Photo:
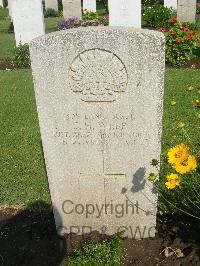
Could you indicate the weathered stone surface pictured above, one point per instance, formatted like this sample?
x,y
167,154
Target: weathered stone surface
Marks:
x,y
28,20
51,4
125,13
72,8
99,97
171,3
89,5
186,10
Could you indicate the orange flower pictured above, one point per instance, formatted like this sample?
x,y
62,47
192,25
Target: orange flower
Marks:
x,y
189,37
179,40
174,19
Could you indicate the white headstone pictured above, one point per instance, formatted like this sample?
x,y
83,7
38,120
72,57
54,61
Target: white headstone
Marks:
x,y
1,3
186,10
51,4
171,3
99,95
71,8
89,5
28,20
9,9
125,13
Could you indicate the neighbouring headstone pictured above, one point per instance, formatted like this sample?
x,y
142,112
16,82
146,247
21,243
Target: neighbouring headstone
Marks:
x,y
186,10
71,8
171,3
51,4
89,5
125,13
28,20
1,3
99,95
9,9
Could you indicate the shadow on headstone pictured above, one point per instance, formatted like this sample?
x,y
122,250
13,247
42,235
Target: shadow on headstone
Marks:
x,y
29,237
138,180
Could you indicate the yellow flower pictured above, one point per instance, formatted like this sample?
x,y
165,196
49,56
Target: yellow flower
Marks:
x,y
178,154
173,180
186,166
196,103
190,88
181,124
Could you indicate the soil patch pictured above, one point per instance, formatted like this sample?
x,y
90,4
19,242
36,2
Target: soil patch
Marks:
x,y
193,63
6,65
28,237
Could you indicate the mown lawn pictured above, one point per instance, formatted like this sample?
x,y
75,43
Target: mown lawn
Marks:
x,y
23,178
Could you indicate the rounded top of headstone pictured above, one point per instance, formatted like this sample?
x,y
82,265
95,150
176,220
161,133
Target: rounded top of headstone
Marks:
x,y
52,38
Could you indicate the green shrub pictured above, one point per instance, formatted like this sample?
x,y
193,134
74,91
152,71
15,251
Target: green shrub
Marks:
x,y
5,3
198,10
88,19
151,2
181,42
60,6
50,12
22,56
157,15
91,16
106,253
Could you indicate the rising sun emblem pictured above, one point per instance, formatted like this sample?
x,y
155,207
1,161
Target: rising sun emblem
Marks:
x,y
98,76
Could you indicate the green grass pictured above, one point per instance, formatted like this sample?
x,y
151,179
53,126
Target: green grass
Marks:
x,y
176,82
99,254
3,13
51,24
23,178
101,9
7,45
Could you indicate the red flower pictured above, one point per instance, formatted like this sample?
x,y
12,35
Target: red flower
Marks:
x,y
178,40
191,32
162,29
184,28
174,19
189,37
